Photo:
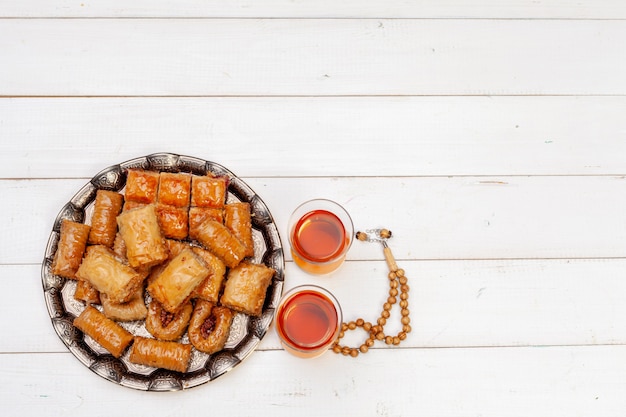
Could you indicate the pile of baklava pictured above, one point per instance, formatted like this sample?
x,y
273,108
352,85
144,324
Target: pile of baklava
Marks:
x,y
169,251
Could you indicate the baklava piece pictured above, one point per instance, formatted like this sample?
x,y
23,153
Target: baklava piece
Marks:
x,y
160,354
133,309
210,326
109,274
70,249
208,191
103,330
145,245
174,221
86,293
218,239
107,205
174,189
175,284
246,288
209,289
167,326
197,215
238,219
142,186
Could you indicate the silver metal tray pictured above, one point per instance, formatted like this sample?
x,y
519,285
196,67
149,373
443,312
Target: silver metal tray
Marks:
x,y
246,332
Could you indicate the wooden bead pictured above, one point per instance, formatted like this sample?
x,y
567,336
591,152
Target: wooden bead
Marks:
x,y
398,289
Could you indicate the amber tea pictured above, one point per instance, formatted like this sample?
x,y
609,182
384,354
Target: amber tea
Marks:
x,y
320,235
308,321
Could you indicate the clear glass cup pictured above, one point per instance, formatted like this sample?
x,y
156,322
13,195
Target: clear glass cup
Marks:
x,y
320,234
308,320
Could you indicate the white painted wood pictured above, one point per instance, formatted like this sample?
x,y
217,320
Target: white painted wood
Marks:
x,y
170,57
368,136
558,381
600,9
489,136
453,303
432,217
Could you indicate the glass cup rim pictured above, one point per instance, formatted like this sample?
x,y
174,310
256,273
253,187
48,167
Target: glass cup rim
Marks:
x,y
314,288
349,227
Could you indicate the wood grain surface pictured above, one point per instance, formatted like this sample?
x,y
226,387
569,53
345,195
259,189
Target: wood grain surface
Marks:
x,y
488,136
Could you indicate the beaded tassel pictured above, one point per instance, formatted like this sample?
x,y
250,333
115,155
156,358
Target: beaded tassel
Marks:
x,y
398,287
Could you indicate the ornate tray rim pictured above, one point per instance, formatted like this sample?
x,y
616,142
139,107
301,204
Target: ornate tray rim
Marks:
x,y
116,370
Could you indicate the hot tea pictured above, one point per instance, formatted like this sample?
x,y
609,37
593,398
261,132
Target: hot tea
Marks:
x,y
308,320
320,234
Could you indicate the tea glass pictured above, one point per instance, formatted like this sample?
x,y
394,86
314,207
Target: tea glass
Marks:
x,y
308,320
320,234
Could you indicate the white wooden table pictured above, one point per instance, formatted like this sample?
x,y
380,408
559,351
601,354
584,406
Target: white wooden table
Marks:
x,y
489,137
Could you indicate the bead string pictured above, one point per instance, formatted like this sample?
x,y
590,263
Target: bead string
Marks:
x,y
398,287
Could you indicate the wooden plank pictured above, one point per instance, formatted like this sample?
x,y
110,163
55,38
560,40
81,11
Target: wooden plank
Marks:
x,y
128,57
560,381
497,303
431,217
369,136
601,9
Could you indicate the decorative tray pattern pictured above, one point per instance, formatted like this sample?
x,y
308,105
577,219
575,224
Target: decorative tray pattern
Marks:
x,y
246,332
